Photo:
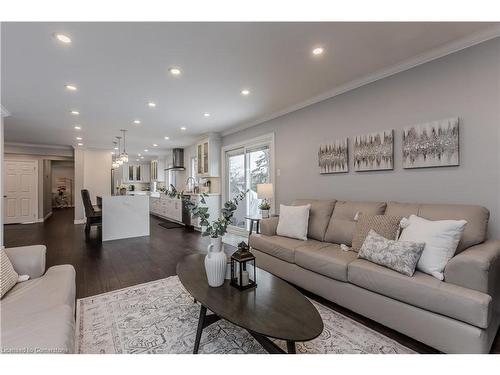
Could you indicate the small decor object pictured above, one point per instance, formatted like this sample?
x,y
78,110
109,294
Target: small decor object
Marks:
x,y
241,277
374,152
435,144
122,190
293,221
400,256
441,238
265,192
215,263
333,157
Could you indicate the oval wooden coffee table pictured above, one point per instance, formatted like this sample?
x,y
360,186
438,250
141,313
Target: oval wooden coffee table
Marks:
x,y
274,309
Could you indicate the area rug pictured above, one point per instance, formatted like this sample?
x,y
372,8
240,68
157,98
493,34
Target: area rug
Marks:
x,y
161,317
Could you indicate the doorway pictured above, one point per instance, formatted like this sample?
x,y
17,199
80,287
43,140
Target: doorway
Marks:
x,y
246,165
21,191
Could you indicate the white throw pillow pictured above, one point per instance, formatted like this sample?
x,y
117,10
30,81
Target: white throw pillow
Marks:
x,y
293,221
441,238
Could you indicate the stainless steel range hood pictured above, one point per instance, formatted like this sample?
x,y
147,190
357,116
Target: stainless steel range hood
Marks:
x,y
177,160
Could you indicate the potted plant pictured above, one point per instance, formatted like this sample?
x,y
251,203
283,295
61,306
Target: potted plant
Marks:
x,y
264,208
122,189
215,261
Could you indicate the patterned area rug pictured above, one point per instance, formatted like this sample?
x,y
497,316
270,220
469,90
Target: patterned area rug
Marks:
x,y
160,317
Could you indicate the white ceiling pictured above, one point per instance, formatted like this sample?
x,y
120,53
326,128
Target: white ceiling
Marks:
x,y
119,67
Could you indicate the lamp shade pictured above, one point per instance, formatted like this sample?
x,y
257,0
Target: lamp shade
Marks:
x,y
264,191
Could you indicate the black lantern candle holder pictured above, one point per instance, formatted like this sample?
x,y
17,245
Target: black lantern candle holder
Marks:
x,y
241,277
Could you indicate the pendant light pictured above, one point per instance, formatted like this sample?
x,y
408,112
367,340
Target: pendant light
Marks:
x,y
118,157
114,164
124,155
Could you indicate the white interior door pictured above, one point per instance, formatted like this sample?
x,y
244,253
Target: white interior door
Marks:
x,y
20,189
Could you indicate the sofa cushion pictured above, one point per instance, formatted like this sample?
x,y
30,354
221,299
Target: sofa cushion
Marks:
x,y
319,216
329,261
341,225
283,247
280,247
55,288
423,291
476,216
48,331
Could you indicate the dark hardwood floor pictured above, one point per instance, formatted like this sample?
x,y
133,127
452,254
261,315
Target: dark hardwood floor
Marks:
x,y
106,266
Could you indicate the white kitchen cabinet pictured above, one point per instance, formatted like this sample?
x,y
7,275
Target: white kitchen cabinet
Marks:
x,y
157,170
168,208
135,172
208,156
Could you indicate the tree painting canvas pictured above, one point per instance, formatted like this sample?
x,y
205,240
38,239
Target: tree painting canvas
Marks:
x,y
374,152
434,144
333,157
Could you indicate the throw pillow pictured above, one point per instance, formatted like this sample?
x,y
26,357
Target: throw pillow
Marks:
x,y
293,221
8,275
385,225
400,256
441,239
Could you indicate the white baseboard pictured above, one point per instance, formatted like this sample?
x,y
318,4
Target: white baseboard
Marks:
x,y
47,216
80,221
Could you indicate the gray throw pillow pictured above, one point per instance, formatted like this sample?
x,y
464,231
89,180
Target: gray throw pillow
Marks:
x,y
400,256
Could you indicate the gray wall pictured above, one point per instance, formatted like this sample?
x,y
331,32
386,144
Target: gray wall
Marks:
x,y
465,84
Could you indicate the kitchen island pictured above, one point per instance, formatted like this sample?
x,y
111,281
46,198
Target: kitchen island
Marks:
x,y
125,216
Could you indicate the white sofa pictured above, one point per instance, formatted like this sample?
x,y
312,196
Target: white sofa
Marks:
x,y
38,315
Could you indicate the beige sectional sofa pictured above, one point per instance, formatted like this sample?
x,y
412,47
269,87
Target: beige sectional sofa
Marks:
x,y
38,315
458,315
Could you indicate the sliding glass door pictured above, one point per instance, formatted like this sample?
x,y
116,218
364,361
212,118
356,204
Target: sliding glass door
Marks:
x,y
245,167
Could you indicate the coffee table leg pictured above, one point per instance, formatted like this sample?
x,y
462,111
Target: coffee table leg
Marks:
x,y
201,324
290,346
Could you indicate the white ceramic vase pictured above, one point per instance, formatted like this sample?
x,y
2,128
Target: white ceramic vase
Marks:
x,y
215,262
265,214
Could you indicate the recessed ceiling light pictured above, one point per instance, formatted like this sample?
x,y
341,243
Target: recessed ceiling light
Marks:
x,y
206,114
318,51
112,152
146,150
76,113
183,128
116,148
63,38
137,122
80,144
175,71
155,145
152,104
136,159
70,87
78,138
245,92
142,157
78,127
166,138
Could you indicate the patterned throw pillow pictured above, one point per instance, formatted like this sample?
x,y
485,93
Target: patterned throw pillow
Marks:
x,y
385,225
8,276
400,256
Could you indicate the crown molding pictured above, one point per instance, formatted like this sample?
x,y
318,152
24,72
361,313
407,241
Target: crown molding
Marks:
x,y
38,145
4,111
436,53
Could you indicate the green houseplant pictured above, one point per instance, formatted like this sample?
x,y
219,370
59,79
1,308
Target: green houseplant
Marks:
x,y
215,261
